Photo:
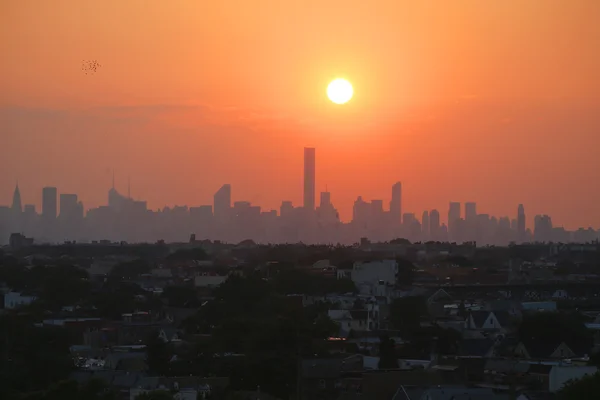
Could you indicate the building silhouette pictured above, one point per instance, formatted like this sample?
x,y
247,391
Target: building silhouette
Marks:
x,y
396,204
129,220
49,203
309,178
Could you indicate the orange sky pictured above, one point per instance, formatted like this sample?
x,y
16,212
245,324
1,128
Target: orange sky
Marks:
x,y
491,101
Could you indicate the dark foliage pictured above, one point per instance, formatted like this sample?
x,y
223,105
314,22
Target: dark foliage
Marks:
x,y
128,270
406,272
406,312
193,254
586,388
31,358
555,328
388,359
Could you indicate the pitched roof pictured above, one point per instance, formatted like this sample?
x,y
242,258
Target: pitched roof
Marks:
x,y
479,317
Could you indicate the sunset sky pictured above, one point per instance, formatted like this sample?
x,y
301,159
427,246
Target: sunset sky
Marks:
x,y
496,102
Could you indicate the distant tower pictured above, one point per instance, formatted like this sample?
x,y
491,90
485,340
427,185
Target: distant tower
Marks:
x,y
309,178
222,202
521,224
453,214
425,225
49,203
470,212
16,202
434,225
396,204
325,199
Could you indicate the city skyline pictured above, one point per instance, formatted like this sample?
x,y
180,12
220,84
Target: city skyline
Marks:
x,y
63,218
464,209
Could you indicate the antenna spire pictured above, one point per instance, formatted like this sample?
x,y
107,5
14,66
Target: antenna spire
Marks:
x,y
128,187
113,180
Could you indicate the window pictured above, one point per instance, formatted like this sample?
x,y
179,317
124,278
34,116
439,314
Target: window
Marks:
x,y
322,384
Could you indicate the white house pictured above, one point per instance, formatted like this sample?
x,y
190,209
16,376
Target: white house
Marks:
x,y
375,272
13,300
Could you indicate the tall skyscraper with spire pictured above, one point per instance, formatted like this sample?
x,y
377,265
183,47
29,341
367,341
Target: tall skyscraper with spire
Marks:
x,y
17,207
309,178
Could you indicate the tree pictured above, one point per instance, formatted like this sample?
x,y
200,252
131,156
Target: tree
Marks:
x,y
128,270
555,328
193,254
60,286
406,272
116,299
388,359
157,355
406,312
31,358
586,388
181,296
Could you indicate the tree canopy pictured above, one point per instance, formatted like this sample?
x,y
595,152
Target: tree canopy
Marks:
x,y
586,388
555,328
32,358
406,312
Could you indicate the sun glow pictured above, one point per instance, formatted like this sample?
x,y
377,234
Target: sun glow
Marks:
x,y
340,91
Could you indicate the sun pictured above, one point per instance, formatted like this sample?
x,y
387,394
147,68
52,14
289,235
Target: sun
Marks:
x,y
340,91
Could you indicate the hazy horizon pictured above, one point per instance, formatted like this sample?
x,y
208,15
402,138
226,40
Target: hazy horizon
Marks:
x,y
496,103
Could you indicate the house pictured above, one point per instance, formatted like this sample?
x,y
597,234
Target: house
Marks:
x,y
322,377
487,320
350,320
375,272
14,300
544,349
385,385
512,307
169,334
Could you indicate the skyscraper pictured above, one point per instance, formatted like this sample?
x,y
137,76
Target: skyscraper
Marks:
x,y
49,203
470,212
325,199
309,178
434,225
69,207
521,224
425,225
222,202
453,218
17,207
396,204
